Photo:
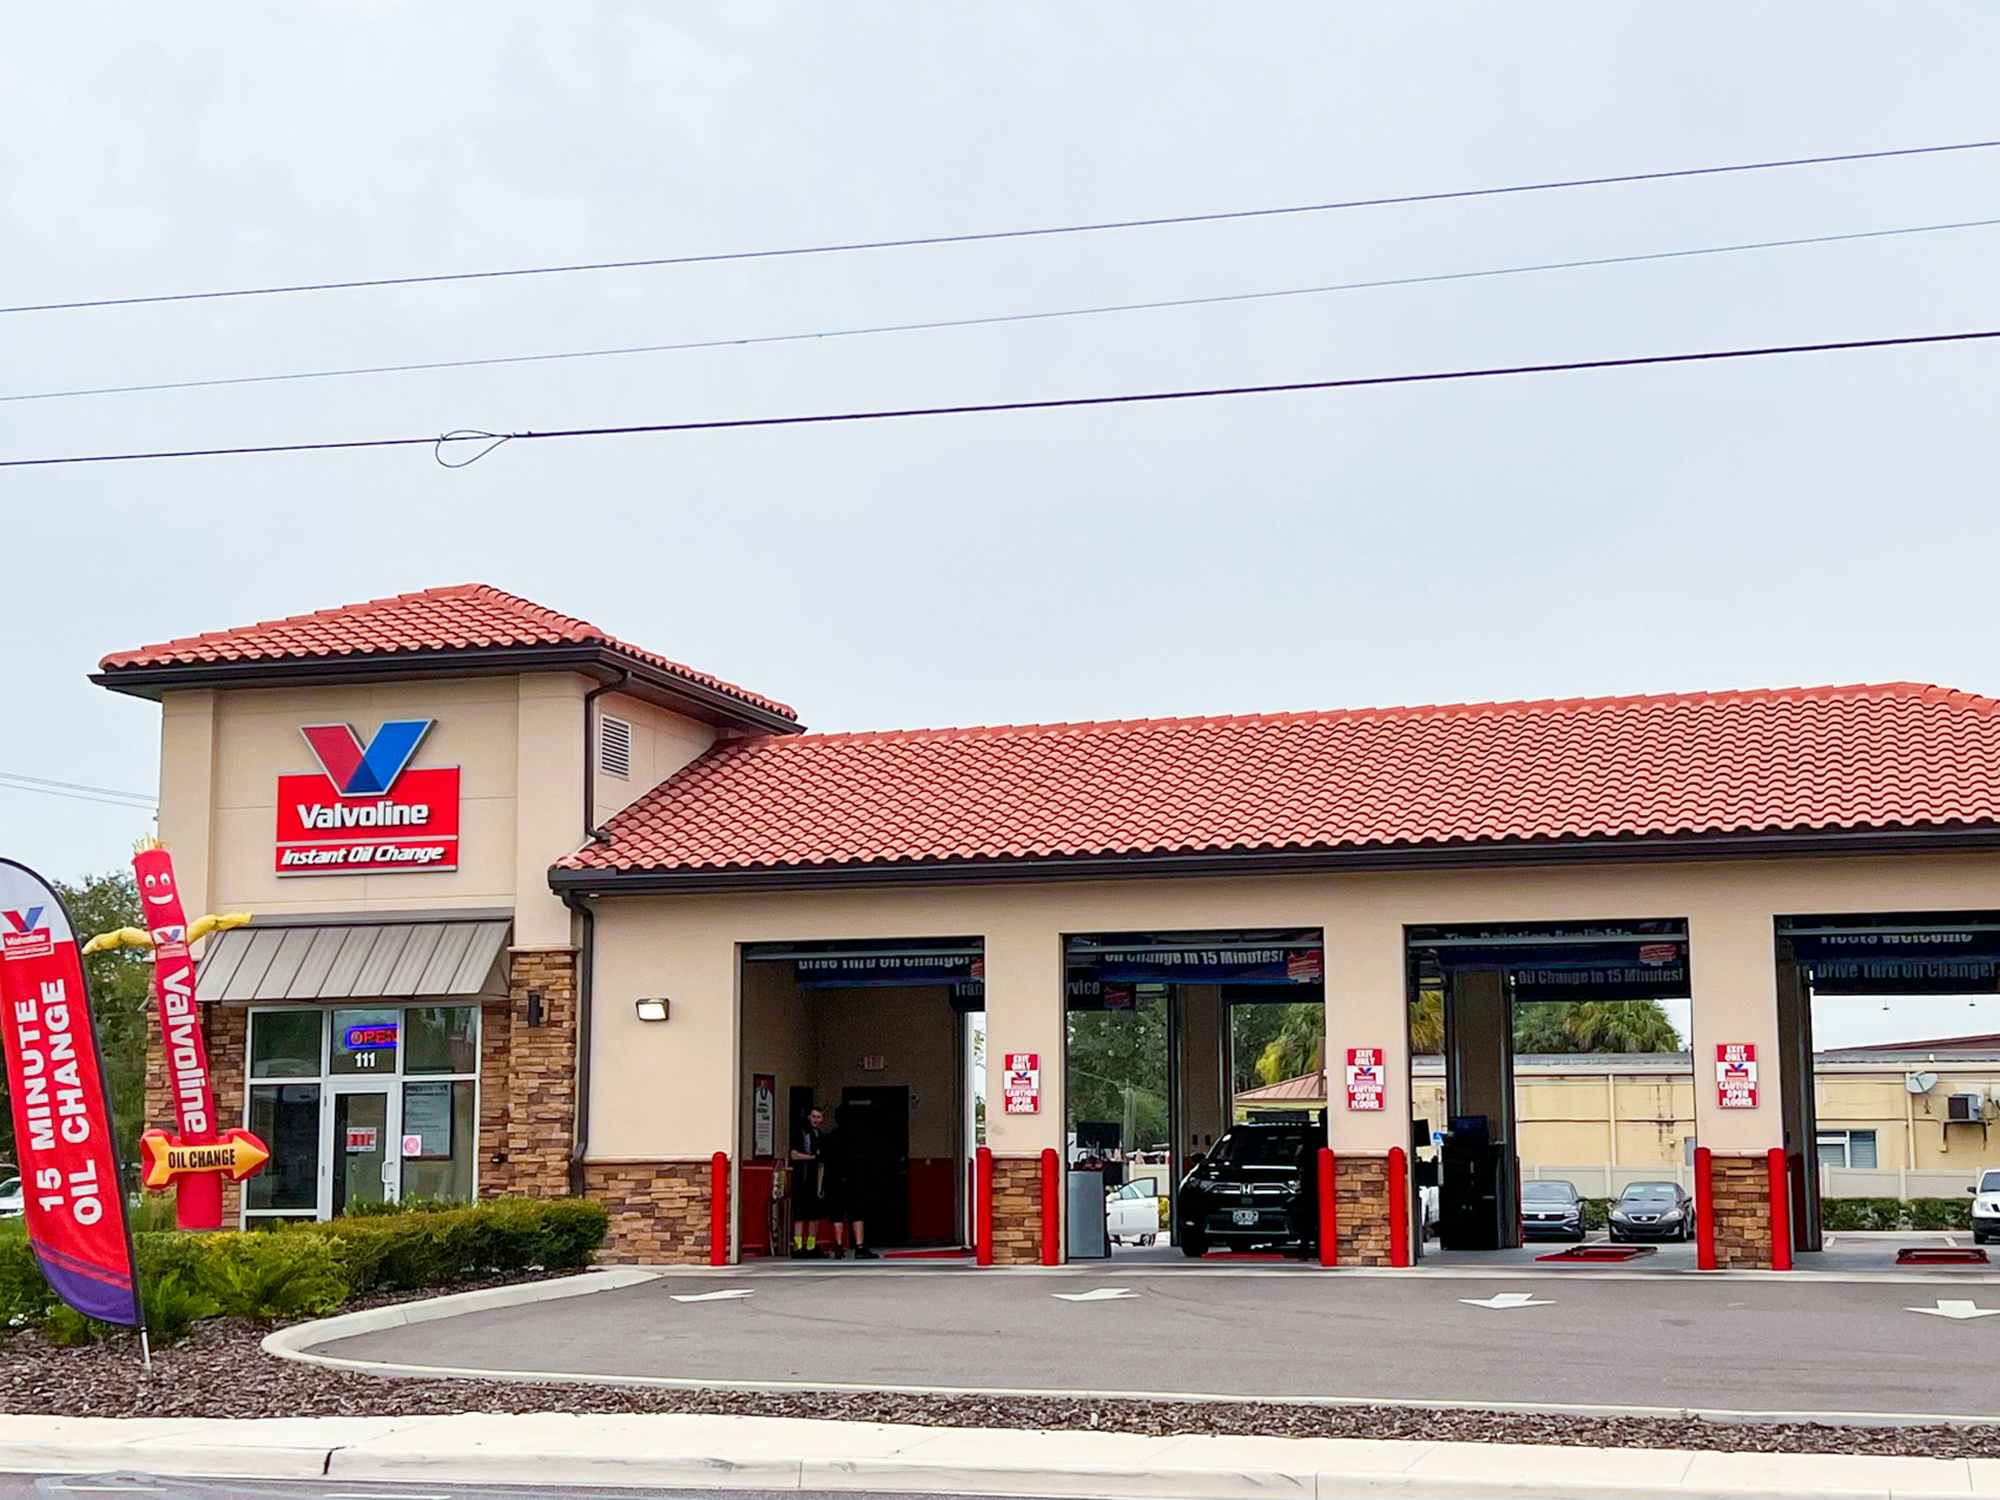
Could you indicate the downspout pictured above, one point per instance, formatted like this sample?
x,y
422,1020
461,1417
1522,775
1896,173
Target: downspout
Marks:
x,y
587,935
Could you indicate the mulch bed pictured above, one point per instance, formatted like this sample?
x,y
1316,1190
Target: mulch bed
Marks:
x,y
220,1368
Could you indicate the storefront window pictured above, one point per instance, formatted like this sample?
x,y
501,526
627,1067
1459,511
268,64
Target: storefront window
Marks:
x,y
285,1043
441,1039
387,1100
366,1041
440,1133
286,1118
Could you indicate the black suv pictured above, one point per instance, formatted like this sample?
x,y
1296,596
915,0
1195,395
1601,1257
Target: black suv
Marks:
x,y
1257,1188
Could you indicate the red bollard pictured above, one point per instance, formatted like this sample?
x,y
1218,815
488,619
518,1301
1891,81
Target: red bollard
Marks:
x,y
982,1199
1704,1209
1051,1207
1781,1211
718,1209
1399,1206
1329,1218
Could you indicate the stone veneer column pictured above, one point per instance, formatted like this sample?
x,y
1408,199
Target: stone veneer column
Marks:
x,y
659,1211
1017,1210
1741,1197
1361,1210
541,1072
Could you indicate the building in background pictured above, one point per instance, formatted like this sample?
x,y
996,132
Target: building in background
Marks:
x,y
1908,1120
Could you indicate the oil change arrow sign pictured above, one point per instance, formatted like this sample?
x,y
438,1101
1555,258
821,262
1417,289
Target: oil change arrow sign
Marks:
x,y
728,1294
1957,1311
1507,1299
1099,1294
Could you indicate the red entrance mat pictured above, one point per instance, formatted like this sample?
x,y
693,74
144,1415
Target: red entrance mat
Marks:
x,y
1941,1255
1597,1255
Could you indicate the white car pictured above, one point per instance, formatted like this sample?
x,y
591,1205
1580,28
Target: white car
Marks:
x,y
13,1201
1986,1207
1132,1213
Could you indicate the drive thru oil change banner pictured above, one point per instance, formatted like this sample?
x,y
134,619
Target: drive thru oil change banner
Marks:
x,y
62,1116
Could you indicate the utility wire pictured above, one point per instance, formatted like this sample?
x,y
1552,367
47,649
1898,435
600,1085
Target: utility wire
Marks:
x,y
991,320
1039,232
720,424
14,781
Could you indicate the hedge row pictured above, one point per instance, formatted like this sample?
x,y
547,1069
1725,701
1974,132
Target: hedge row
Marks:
x,y
308,1270
1895,1213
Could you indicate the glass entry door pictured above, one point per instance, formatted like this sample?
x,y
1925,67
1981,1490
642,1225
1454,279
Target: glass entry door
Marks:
x,y
365,1164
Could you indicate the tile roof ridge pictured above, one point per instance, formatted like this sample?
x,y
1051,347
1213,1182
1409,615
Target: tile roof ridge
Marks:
x,y
1900,690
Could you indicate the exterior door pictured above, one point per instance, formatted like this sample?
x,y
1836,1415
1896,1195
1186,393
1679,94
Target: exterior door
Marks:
x,y
363,1164
880,1118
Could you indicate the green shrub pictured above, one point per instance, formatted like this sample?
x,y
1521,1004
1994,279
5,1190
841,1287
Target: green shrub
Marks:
x,y
265,1277
173,1304
448,1247
1940,1213
1855,1214
25,1297
1596,1212
68,1328
307,1270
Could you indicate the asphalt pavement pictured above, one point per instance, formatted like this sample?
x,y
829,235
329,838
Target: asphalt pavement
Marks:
x,y
1565,1340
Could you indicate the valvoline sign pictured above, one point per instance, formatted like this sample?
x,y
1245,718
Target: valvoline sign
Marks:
x,y
365,811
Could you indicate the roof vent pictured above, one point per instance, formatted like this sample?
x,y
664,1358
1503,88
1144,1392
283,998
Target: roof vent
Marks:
x,y
614,747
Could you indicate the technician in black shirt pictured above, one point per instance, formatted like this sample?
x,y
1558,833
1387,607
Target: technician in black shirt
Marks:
x,y
808,1204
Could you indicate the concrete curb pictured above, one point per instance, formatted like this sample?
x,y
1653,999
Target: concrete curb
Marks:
x,y
294,1342
707,1452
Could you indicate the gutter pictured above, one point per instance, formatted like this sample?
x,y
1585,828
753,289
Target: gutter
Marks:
x,y
1519,853
586,950
587,935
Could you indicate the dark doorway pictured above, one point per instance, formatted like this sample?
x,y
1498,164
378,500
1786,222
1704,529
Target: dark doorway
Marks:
x,y
879,1116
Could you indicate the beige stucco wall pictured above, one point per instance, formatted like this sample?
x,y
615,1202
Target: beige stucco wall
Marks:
x,y
684,947
662,742
518,743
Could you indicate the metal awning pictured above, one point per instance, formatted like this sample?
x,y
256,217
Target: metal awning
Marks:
x,y
371,960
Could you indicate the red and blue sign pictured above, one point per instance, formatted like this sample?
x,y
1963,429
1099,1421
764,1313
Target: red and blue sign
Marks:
x,y
366,811
72,1202
380,1037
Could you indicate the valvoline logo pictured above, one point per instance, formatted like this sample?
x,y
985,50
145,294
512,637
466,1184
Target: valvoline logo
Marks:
x,y
358,770
26,937
367,809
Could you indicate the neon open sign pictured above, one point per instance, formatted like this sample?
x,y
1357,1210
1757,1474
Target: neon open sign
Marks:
x,y
379,1037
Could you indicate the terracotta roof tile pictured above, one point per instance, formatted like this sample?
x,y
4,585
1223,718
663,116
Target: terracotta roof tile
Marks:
x,y
462,617
1888,756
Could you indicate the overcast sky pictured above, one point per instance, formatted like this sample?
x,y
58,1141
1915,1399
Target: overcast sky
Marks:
x,y
1813,520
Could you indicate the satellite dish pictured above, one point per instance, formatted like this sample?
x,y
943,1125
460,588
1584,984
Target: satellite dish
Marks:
x,y
1920,1083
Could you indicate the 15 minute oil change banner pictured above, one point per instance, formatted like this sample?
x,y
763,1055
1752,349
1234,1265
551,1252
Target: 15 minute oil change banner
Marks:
x,y
62,1116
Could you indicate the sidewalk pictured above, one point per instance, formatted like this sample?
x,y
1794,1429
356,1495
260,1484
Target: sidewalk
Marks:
x,y
765,1453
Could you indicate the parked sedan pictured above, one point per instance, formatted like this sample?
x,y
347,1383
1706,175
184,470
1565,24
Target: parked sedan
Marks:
x,y
1256,1188
13,1201
1551,1210
1653,1211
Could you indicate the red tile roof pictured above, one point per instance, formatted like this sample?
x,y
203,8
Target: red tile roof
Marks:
x,y
1895,756
464,616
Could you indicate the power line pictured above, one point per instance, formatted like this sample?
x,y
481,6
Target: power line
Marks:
x,y
983,408
15,781
1043,231
991,320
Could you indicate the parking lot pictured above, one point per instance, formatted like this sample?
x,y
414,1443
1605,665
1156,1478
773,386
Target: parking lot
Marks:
x,y
1551,1339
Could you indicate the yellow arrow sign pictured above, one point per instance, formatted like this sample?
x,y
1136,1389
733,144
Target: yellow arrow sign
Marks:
x,y
238,1154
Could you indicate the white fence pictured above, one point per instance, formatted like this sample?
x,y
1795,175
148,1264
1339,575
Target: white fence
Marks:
x,y
1602,1180
1606,1181
1893,1182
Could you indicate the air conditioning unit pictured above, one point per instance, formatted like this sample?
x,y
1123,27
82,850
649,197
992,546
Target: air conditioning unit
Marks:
x,y
1967,1108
